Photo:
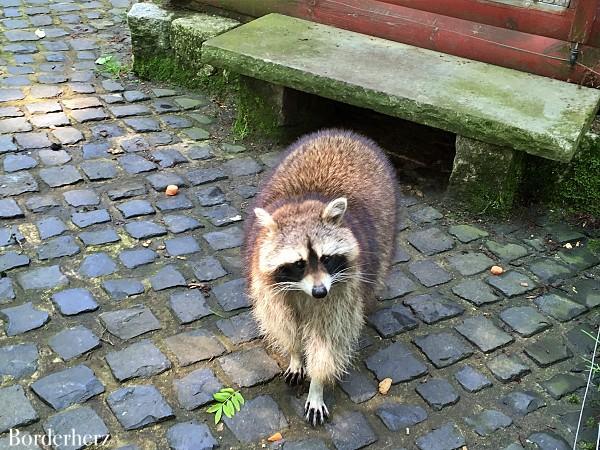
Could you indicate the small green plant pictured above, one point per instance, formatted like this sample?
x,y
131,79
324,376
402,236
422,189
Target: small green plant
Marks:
x,y
594,246
574,399
111,65
583,445
228,402
590,422
240,129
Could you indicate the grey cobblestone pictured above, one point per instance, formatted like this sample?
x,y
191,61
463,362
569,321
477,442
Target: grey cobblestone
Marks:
x,y
250,367
438,393
18,361
68,387
522,403
196,388
193,346
471,379
138,406
73,342
245,427
17,409
23,318
141,359
129,323
484,334
443,349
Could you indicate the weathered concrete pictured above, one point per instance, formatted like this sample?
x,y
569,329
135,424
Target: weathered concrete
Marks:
x,y
150,27
501,106
484,176
187,34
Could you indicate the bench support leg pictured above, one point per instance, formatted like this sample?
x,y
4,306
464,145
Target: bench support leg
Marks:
x,y
485,177
269,109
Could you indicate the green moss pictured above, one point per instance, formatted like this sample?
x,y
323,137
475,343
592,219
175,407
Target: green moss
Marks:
x,y
485,178
255,110
594,246
573,187
166,68
490,200
255,114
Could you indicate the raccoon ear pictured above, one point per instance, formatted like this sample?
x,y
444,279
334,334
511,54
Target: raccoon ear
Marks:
x,y
265,219
335,209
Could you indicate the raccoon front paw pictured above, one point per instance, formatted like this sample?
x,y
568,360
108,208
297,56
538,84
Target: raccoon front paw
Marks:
x,y
316,413
294,376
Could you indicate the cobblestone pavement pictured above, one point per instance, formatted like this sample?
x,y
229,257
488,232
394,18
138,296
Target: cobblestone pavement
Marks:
x,y
122,310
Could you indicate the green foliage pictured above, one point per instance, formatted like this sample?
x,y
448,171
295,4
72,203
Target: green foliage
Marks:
x,y
574,399
590,422
594,245
241,128
111,65
584,445
228,402
574,187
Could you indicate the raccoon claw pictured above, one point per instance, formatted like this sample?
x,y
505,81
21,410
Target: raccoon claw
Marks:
x,y
317,414
294,377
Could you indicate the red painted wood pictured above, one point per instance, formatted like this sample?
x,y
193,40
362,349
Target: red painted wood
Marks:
x,y
583,22
544,23
527,52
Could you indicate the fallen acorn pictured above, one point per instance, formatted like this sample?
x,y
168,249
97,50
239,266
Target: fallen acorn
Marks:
x,y
276,437
385,385
172,190
496,270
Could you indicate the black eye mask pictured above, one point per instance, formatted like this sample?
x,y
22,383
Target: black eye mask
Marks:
x,y
292,272
334,263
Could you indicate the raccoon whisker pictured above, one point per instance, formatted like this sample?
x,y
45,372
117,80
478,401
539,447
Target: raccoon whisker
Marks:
x,y
361,275
355,267
285,286
285,283
348,271
353,277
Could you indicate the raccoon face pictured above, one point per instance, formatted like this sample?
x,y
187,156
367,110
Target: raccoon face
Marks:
x,y
306,247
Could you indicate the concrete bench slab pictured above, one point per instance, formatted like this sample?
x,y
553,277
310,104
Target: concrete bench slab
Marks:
x,y
500,106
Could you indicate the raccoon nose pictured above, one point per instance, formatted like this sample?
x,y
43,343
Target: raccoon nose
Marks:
x,y
319,291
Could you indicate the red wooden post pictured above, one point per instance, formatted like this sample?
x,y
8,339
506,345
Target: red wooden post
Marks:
x,y
585,14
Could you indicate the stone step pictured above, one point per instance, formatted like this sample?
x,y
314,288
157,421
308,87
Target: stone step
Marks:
x,y
488,103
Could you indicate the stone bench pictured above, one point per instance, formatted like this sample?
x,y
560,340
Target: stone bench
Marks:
x,y
496,113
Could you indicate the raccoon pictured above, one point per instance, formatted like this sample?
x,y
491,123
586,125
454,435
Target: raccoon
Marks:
x,y
318,247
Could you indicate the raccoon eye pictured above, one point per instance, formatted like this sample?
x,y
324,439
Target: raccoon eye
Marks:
x,y
300,264
334,263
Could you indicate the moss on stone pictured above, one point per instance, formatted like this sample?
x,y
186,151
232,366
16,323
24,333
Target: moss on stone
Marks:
x,y
150,29
168,68
573,187
256,110
485,177
254,113
189,33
